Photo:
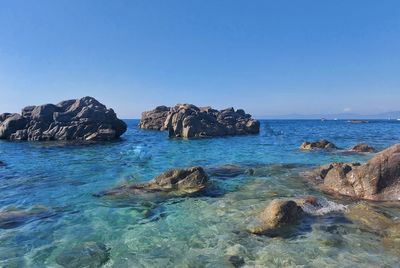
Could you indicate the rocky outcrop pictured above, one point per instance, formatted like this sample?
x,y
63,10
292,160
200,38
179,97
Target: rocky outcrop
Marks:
x,y
378,179
279,213
363,148
322,144
154,119
89,254
177,181
81,119
190,121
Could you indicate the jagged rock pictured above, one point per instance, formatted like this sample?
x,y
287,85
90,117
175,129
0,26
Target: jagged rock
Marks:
x,y
279,213
89,254
81,119
190,121
188,180
322,144
154,119
378,179
363,148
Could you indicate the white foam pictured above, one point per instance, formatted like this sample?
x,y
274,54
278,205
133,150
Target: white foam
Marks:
x,y
323,207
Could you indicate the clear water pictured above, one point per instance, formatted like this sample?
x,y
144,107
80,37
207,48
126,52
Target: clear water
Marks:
x,y
197,231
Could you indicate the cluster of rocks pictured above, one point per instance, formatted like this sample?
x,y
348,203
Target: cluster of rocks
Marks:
x,y
327,145
190,121
378,179
176,181
80,119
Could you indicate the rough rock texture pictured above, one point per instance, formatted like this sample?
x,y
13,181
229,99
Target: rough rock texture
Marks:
x,y
154,119
378,179
322,144
188,180
81,119
89,254
363,148
279,213
190,121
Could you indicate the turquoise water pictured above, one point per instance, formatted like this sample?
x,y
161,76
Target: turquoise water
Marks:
x,y
56,182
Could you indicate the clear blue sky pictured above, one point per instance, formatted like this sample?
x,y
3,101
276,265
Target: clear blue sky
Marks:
x,y
268,57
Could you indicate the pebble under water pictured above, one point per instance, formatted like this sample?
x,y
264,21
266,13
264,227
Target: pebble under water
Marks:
x,y
50,216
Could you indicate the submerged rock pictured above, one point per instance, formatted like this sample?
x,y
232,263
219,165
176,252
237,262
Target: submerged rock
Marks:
x,y
81,119
188,180
227,171
89,255
279,213
322,144
12,218
371,220
378,179
190,121
2,164
363,148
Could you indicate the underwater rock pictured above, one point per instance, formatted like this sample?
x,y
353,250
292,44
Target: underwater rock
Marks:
x,y
378,179
279,213
12,218
89,255
80,119
363,148
227,171
236,261
2,164
189,180
154,119
371,220
322,144
190,121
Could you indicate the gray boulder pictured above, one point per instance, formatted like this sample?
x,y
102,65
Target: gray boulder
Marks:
x,y
81,119
378,179
190,121
176,181
154,119
322,144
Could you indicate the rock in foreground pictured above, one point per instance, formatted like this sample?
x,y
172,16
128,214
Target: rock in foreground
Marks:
x,y
322,144
378,179
190,121
279,213
188,180
81,119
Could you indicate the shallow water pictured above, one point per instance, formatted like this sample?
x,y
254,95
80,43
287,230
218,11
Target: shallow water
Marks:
x,y
202,230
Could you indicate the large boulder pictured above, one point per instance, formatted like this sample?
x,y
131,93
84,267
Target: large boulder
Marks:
x,y
177,181
81,119
279,213
322,144
154,119
190,121
378,179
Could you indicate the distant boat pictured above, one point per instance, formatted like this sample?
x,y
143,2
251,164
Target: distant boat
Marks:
x,y
357,121
398,119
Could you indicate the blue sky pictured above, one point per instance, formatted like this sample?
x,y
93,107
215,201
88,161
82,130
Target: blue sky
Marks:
x,y
268,57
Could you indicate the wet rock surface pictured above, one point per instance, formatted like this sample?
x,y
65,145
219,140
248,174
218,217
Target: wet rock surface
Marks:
x,y
80,119
322,144
89,255
190,121
177,181
279,213
363,148
378,179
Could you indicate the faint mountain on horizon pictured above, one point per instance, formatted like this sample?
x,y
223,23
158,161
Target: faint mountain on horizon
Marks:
x,y
386,115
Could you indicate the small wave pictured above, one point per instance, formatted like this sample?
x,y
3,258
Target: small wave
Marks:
x,y
323,207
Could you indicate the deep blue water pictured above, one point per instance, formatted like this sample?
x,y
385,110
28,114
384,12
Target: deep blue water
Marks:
x,y
198,231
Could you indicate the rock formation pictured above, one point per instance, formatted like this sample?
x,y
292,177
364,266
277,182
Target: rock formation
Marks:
x,y
378,179
322,144
188,180
81,119
190,121
363,148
